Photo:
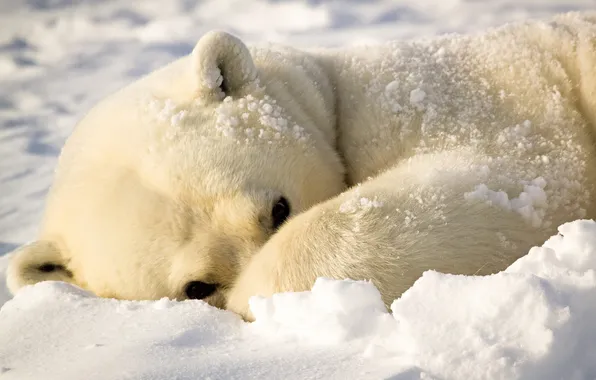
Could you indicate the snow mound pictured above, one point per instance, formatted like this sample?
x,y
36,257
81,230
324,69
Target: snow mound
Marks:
x,y
532,321
332,312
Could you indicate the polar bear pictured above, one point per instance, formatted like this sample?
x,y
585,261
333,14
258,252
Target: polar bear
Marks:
x,y
242,171
167,187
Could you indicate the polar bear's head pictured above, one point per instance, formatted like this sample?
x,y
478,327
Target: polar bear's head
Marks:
x,y
167,187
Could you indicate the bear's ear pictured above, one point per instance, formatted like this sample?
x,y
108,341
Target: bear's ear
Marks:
x,y
222,65
36,262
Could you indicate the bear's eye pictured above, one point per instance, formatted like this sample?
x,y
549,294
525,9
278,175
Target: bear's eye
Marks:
x,y
280,212
197,290
49,267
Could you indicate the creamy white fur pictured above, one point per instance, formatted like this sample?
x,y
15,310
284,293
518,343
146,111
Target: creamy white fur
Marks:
x,y
485,145
153,190
467,150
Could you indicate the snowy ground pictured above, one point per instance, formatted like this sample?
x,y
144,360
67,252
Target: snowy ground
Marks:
x,y
58,57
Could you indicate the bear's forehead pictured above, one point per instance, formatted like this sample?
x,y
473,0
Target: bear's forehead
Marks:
x,y
255,118
252,117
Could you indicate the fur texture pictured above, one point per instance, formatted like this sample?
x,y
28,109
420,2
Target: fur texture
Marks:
x,y
155,189
469,151
460,153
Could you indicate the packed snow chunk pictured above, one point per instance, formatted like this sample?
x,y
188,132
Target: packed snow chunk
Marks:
x,y
497,198
463,327
332,312
532,321
417,96
567,258
530,203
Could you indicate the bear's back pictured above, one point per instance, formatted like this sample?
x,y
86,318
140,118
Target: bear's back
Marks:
x,y
510,94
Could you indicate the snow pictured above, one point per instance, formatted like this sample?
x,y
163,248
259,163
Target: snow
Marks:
x,y
58,57
233,117
417,96
530,203
355,203
532,321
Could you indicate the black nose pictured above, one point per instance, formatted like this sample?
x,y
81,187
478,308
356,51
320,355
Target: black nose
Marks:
x,y
197,290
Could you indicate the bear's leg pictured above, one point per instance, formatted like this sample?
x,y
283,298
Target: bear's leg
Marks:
x,y
416,217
